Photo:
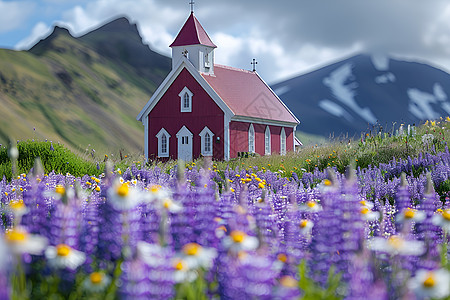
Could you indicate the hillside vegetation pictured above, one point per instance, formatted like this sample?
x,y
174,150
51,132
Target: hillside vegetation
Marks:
x,y
82,92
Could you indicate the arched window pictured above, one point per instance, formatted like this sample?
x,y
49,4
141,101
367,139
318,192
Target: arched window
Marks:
x,y
283,142
186,100
267,146
251,139
207,142
206,136
163,143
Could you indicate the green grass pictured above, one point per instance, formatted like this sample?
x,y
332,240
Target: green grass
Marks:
x,y
372,150
61,160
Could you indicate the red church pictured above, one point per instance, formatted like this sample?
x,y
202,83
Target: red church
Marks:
x,y
205,109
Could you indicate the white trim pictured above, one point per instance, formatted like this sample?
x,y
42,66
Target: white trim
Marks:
x,y
159,137
251,142
262,121
282,141
226,135
182,94
267,141
202,135
145,122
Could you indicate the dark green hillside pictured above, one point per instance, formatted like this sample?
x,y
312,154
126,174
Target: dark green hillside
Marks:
x,y
80,91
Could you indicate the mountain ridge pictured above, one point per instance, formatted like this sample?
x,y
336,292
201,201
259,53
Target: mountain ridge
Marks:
x,y
355,94
80,90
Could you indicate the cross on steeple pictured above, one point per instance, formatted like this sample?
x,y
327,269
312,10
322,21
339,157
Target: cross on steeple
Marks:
x,y
191,3
254,63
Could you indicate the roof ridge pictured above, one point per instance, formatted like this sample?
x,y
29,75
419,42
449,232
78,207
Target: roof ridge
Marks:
x,y
233,68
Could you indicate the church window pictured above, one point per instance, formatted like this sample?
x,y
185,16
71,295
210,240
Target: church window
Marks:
x,y
251,139
163,143
186,100
206,136
267,146
283,142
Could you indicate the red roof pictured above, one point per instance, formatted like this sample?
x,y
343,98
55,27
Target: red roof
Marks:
x,y
192,33
247,95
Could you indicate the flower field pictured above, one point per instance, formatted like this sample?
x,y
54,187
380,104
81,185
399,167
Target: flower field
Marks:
x,y
213,232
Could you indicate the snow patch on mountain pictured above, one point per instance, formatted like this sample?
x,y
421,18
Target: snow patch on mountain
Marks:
x,y
385,78
420,104
346,93
380,62
439,92
282,90
334,109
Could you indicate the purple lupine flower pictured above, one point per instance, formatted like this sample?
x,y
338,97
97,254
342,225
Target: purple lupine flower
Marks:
x,y
159,270
363,284
426,230
251,277
90,229
182,223
135,283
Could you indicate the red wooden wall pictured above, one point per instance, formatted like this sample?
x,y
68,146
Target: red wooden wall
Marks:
x,y
239,138
167,114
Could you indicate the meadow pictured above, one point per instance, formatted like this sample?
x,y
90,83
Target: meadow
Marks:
x,y
350,219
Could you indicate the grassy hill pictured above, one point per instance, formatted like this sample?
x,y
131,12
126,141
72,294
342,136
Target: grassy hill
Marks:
x,y
80,91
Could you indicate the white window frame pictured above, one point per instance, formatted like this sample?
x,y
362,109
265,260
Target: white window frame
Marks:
x,y
185,92
283,141
202,135
251,139
160,135
267,142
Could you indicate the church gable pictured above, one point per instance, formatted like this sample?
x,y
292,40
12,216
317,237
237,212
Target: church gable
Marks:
x,y
169,113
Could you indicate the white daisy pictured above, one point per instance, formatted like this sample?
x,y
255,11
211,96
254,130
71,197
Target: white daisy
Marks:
x,y
442,219
168,204
239,241
123,197
18,208
410,214
396,245
156,193
197,256
305,226
369,215
182,271
63,256
96,282
19,241
310,206
431,284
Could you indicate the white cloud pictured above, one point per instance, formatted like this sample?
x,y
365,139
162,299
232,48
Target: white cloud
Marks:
x,y
437,36
13,14
40,30
287,39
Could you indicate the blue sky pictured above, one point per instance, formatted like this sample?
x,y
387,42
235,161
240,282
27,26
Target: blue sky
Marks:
x,y
287,37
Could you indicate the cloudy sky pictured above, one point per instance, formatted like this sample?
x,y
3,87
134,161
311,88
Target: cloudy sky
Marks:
x,y
287,37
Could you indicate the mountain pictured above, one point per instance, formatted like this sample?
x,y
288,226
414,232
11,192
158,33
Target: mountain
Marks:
x,y
81,91
353,95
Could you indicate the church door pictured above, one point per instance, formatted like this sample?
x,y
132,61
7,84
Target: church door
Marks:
x,y
185,141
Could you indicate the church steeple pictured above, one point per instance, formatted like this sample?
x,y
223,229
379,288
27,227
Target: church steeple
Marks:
x,y
193,42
